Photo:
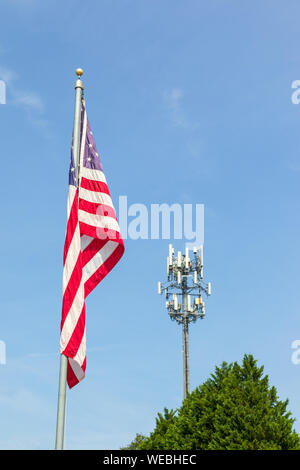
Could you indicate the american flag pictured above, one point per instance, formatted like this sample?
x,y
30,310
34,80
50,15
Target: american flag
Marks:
x,y
93,246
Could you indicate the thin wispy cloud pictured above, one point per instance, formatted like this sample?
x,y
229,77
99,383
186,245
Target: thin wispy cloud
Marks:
x,y
27,99
7,75
173,100
196,144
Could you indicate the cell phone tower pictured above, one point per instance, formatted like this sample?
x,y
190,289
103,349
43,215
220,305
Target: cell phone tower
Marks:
x,y
185,283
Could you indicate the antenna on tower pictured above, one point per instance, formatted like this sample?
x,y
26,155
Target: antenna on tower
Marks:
x,y
185,281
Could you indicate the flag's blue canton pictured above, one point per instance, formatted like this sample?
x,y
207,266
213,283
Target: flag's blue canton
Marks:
x,y
91,158
72,178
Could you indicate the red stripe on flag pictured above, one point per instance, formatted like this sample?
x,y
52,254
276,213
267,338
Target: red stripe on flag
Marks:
x,y
71,225
91,250
71,377
99,232
95,208
77,335
93,185
104,269
71,289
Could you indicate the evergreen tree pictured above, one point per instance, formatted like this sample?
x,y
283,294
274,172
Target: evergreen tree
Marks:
x,y
136,443
156,440
235,409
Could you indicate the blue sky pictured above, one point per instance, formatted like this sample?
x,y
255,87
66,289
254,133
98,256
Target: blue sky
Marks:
x,y
189,102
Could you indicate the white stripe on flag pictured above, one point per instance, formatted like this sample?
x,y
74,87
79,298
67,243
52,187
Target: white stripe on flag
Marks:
x,y
91,267
81,353
72,257
94,175
85,241
93,196
71,195
76,369
101,221
72,317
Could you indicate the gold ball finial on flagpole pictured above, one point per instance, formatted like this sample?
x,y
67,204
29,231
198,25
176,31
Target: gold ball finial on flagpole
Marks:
x,y
79,83
79,72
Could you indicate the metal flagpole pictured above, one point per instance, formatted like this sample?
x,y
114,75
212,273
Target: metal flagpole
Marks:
x,y
61,404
